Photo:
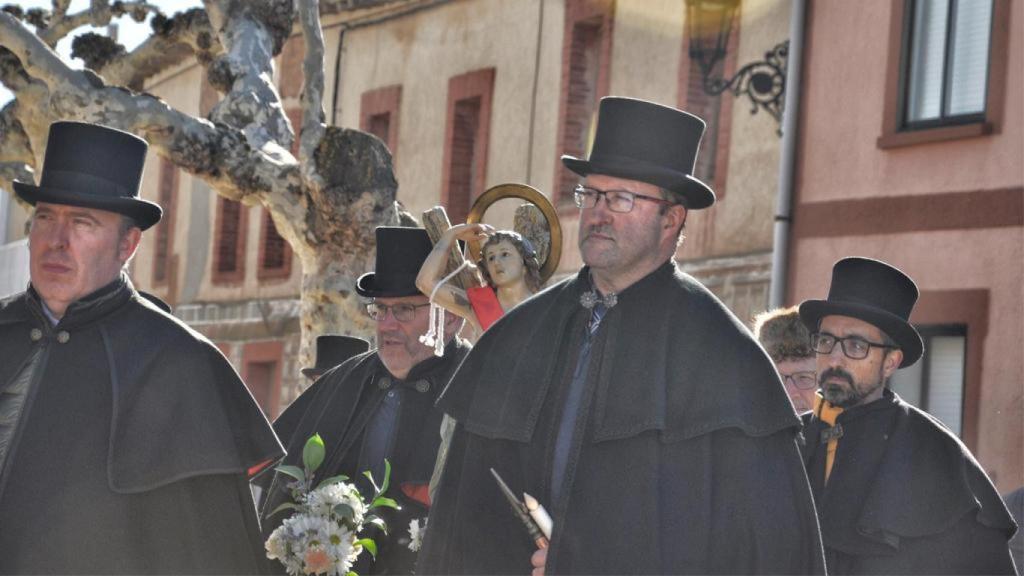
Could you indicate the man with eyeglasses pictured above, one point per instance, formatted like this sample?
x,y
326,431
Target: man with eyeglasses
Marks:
x,y
786,340
627,399
379,405
897,492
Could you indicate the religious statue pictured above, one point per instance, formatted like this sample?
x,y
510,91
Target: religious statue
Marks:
x,y
508,266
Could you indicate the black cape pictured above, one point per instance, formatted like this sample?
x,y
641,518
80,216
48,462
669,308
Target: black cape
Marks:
x,y
338,406
905,496
132,451
685,458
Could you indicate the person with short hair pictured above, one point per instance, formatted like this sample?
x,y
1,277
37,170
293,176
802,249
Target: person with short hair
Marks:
x,y
379,405
786,339
626,399
896,491
126,438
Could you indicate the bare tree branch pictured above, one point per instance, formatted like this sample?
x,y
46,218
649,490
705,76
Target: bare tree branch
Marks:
x,y
251,36
99,13
173,41
220,155
312,89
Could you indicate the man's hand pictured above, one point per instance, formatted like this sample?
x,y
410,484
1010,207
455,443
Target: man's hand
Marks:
x,y
539,559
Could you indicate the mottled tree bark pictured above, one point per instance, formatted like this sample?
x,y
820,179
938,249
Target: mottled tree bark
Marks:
x,y
325,203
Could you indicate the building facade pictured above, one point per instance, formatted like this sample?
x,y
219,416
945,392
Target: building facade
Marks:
x,y
467,94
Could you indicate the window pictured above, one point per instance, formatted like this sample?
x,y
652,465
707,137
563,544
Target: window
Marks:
x,y
167,197
585,58
946,76
947,61
935,383
466,138
378,115
275,255
229,248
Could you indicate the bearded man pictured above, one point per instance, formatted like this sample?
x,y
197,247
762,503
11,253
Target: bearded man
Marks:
x,y
379,405
126,438
627,399
897,492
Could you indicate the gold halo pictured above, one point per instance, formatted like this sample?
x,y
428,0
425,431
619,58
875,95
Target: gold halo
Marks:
x,y
533,196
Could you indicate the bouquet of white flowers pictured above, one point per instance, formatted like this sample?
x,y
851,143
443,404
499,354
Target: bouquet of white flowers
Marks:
x,y
322,534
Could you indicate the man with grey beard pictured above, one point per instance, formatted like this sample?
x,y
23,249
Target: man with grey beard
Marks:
x,y
896,491
626,399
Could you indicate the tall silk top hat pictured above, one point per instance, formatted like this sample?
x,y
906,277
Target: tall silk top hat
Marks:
x,y
648,142
93,167
400,254
875,292
333,349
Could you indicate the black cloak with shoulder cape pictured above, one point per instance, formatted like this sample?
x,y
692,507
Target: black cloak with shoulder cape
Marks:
x,y
128,442
905,496
684,458
339,406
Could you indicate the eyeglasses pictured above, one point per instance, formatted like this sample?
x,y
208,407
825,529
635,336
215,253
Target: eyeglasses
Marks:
x,y
616,200
401,312
804,380
854,347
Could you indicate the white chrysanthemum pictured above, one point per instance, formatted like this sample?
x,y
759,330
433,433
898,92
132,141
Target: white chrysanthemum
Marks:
x,y
323,500
416,531
277,543
341,546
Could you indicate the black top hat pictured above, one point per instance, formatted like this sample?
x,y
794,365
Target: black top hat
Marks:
x,y
95,167
333,349
875,292
400,254
648,142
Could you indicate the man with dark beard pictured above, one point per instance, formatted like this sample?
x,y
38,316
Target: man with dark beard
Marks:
x,y
896,491
627,399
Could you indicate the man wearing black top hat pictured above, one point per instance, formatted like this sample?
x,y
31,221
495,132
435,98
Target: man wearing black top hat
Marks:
x,y
126,439
627,399
380,404
897,492
332,350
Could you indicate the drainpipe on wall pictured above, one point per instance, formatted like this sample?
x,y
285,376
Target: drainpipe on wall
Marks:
x,y
787,159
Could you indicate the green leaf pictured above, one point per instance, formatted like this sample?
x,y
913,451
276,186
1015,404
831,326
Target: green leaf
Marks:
x,y
332,480
345,511
369,545
378,522
369,476
387,478
313,453
283,507
383,502
293,471
350,573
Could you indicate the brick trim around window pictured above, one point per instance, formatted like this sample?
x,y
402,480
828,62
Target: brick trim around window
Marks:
x,y
473,90
163,247
893,135
382,106
693,99
577,108
971,309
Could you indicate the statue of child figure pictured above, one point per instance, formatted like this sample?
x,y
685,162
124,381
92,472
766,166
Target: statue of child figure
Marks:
x,y
508,264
